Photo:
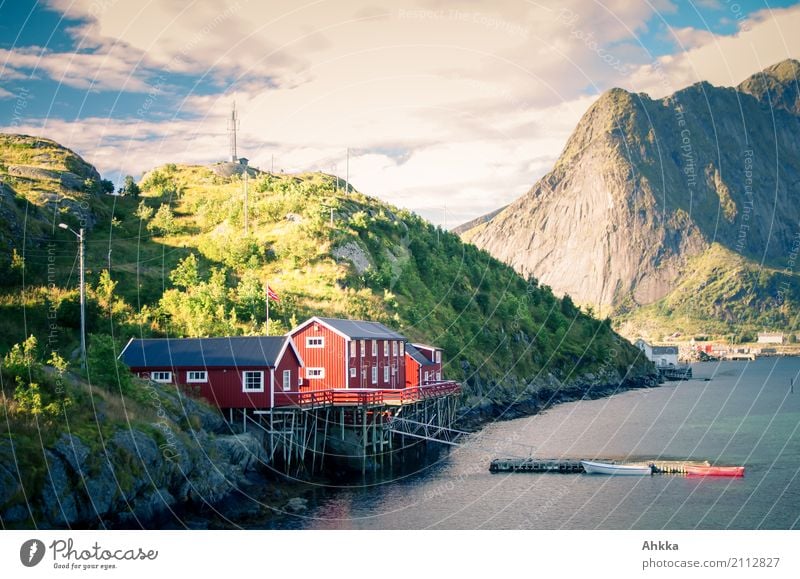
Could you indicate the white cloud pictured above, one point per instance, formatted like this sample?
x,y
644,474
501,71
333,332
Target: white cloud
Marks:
x,y
4,94
767,37
464,104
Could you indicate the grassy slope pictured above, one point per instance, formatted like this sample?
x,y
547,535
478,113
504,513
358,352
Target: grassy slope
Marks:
x,y
721,294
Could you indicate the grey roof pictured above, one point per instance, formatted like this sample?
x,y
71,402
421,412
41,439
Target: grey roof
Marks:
x,y
203,352
361,330
665,350
418,356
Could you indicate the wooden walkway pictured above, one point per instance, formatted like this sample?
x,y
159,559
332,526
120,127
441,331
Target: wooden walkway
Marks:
x,y
573,465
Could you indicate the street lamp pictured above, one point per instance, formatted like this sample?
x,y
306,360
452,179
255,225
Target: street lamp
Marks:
x,y
79,235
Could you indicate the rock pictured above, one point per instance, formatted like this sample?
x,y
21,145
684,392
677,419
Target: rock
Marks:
x,y
244,450
294,218
60,495
296,505
353,252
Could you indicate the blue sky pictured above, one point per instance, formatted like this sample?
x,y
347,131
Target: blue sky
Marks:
x,y
466,103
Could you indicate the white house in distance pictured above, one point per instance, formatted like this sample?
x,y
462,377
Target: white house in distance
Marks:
x,y
659,355
770,338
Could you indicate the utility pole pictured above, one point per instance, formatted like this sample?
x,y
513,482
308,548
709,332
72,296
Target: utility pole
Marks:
x,y
79,235
245,202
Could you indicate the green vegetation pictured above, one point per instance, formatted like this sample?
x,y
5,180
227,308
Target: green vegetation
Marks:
x,y
724,295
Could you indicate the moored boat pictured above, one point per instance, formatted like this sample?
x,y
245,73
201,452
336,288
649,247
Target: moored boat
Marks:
x,y
615,469
715,470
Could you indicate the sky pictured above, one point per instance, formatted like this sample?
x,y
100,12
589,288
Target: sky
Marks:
x,y
450,109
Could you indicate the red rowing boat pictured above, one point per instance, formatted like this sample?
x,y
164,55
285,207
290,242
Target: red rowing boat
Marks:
x,y
715,470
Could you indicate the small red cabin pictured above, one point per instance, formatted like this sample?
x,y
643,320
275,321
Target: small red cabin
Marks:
x,y
423,365
350,354
257,372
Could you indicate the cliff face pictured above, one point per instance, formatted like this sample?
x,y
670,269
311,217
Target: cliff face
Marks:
x,y
644,185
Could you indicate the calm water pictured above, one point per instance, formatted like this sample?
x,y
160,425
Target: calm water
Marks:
x,y
745,414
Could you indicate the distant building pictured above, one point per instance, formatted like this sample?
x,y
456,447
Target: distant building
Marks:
x,y
659,355
771,338
423,365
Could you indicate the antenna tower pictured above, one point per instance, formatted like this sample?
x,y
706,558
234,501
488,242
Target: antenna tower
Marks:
x,y
233,125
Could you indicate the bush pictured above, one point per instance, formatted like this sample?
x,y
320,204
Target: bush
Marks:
x,y
103,367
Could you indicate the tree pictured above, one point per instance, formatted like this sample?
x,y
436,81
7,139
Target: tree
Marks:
x,y
163,221
104,369
129,187
186,274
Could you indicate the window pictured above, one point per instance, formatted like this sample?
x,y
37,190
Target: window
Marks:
x,y
353,349
287,380
165,377
394,348
374,347
438,356
252,381
386,348
426,376
374,374
197,376
386,373
315,373
438,376
315,342
353,372
363,348
402,348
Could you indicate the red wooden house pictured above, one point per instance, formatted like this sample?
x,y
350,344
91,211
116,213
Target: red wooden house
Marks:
x,y
350,354
256,372
423,365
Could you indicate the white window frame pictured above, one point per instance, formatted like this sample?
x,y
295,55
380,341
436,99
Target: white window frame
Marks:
x,y
252,373
426,377
315,341
163,377
374,374
374,347
315,373
394,347
363,348
438,376
353,372
203,378
353,348
386,348
386,373
438,356
402,348
287,380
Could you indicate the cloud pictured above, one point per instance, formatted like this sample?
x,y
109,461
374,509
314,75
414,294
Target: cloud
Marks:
x,y
4,94
765,38
465,103
113,70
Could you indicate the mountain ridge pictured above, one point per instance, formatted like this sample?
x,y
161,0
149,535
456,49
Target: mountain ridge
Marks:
x,y
643,185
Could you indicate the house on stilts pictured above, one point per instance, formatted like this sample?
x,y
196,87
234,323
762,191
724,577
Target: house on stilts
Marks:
x,y
326,380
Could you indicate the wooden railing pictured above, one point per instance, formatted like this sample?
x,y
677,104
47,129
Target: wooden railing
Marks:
x,y
366,396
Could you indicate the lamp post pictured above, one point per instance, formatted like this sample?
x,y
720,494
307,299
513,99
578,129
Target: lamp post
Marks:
x,y
79,235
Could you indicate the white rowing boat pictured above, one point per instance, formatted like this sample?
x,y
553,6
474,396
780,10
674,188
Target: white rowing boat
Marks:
x,y
615,469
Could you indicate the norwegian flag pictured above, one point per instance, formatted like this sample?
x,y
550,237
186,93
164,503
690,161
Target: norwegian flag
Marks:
x,y
272,295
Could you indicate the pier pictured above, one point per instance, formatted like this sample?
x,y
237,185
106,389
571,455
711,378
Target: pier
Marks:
x,y
675,372
573,465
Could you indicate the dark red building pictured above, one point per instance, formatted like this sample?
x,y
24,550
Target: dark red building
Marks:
x,y
350,354
256,372
423,365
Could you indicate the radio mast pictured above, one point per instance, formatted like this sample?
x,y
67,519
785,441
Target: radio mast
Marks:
x,y
233,125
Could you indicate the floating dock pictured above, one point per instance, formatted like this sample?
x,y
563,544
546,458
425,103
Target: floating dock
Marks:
x,y
675,372
573,465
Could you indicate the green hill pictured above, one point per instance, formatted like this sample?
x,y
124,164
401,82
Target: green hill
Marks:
x,y
175,260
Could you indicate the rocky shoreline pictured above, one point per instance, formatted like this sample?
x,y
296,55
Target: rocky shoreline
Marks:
x,y
211,475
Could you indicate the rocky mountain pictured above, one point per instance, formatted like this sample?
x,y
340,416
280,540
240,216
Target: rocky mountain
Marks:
x,y
645,185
